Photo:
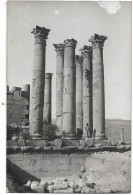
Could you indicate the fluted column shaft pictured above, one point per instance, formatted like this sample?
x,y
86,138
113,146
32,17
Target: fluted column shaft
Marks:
x,y
69,89
47,98
98,86
79,95
59,48
87,91
37,91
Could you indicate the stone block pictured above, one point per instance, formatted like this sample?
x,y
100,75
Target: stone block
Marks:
x,y
38,189
64,191
102,142
50,188
12,143
82,143
21,142
36,143
89,142
34,184
25,93
10,94
70,142
57,143
16,89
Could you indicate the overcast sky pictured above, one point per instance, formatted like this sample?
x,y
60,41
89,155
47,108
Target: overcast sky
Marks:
x,y
78,20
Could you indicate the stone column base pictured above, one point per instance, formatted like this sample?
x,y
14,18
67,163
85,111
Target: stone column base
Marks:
x,y
101,136
71,136
36,136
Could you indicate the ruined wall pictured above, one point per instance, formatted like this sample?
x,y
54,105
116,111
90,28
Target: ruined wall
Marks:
x,y
45,164
18,101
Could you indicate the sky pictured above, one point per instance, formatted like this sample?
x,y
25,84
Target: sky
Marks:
x,y
78,20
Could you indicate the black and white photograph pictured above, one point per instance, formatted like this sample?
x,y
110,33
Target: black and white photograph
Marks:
x,y
68,97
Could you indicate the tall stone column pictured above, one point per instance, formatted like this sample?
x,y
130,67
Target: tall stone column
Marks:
x,y
87,90
69,89
59,48
47,98
98,86
79,94
37,91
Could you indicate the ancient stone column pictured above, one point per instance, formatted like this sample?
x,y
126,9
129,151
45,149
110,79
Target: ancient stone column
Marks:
x,y
98,86
26,87
38,78
87,91
69,89
79,95
47,98
59,48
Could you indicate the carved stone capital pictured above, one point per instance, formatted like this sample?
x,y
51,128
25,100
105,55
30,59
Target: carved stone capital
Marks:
x,y
79,60
59,48
97,41
40,34
48,75
86,51
70,43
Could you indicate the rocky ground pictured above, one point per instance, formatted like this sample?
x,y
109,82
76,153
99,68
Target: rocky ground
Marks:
x,y
111,173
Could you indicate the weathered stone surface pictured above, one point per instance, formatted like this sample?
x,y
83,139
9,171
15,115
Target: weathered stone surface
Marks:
x,y
21,142
82,143
44,184
38,189
25,93
64,191
79,95
57,143
37,92
47,98
12,143
89,141
29,183
50,188
59,186
59,48
70,142
26,87
103,142
69,112
98,86
34,184
87,88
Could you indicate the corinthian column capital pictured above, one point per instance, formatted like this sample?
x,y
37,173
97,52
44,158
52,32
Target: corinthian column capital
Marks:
x,y
97,40
79,60
40,34
70,43
59,48
86,51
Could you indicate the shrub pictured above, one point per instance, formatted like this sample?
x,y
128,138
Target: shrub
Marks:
x,y
49,131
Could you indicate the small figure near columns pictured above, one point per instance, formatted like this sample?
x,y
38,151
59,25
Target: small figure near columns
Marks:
x,y
59,48
69,89
79,94
98,86
38,78
47,98
87,91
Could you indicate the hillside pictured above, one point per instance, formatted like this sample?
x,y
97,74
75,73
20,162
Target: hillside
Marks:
x,y
113,129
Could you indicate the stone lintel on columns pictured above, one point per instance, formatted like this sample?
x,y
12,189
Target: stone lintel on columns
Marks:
x,y
59,48
40,34
97,40
70,43
79,60
48,75
86,51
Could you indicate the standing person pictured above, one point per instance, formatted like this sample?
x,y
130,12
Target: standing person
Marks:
x,y
88,129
